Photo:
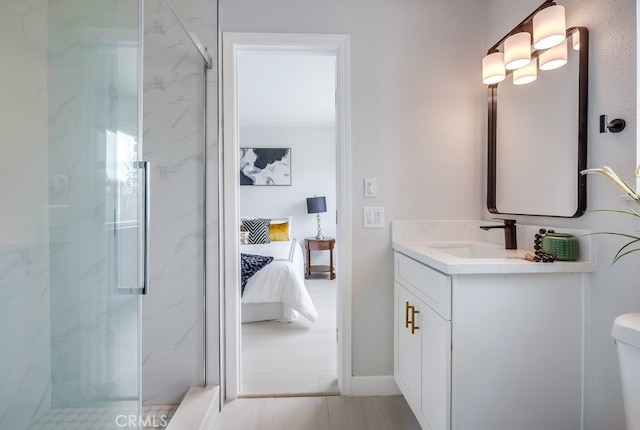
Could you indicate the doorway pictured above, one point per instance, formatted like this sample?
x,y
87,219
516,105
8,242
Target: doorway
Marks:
x,y
286,108
235,45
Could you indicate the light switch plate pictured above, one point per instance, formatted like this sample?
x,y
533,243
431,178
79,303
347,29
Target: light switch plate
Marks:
x,y
373,217
370,187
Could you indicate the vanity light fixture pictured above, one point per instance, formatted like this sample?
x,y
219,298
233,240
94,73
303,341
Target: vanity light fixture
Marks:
x,y
526,74
547,27
493,70
517,50
554,58
576,41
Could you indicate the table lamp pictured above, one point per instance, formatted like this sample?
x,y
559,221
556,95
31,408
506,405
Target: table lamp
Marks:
x,y
317,205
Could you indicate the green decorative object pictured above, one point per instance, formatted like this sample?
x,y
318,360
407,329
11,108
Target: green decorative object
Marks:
x,y
563,246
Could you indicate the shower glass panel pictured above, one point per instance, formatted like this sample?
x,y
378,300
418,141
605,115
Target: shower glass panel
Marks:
x,y
72,222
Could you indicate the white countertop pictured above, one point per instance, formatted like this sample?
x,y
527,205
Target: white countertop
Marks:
x,y
450,264
419,240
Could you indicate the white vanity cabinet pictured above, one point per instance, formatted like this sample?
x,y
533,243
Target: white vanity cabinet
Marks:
x,y
489,351
423,340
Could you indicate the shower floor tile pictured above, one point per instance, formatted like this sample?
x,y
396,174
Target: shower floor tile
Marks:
x,y
153,417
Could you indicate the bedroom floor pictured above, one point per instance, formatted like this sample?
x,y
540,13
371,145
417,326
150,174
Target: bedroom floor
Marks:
x,y
293,358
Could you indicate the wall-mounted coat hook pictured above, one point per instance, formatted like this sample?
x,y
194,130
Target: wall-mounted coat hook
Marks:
x,y
615,126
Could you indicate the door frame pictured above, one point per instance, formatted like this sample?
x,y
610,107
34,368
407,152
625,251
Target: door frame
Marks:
x,y
230,328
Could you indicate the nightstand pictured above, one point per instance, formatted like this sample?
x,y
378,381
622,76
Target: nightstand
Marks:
x,y
313,244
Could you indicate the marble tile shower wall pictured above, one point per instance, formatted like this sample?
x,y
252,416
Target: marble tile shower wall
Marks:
x,y
25,369
24,332
173,318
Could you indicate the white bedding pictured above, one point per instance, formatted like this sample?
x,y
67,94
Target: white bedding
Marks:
x,y
282,280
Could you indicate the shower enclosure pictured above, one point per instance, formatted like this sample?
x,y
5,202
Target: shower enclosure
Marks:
x,y
73,213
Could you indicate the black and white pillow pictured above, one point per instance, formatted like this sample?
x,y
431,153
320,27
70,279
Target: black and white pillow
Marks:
x,y
258,229
250,264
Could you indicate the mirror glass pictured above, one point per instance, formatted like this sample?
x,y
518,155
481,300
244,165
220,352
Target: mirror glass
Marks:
x,y
537,140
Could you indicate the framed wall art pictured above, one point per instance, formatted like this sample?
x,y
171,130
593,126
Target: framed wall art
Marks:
x,y
265,166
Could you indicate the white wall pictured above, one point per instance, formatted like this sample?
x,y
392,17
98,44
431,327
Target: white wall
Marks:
x,y
614,290
417,126
313,173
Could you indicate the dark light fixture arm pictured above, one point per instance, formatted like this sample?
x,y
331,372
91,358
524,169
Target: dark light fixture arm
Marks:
x,y
525,25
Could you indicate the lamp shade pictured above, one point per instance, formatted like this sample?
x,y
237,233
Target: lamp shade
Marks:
x,y
517,50
549,27
554,58
316,205
493,68
526,74
576,41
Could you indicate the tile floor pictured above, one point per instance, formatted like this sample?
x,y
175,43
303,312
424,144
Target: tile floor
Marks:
x,y
317,413
153,417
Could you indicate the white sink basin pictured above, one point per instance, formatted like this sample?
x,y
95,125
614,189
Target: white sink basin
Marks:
x,y
461,247
474,250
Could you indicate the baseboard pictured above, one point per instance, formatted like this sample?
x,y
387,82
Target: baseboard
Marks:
x,y
374,386
197,410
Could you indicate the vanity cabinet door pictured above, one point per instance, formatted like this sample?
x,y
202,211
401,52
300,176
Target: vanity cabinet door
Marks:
x,y
408,346
436,369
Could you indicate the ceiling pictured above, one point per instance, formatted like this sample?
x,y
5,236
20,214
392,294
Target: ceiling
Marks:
x,y
286,89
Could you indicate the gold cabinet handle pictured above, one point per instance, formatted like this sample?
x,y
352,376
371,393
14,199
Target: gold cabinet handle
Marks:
x,y
414,327
407,321
410,319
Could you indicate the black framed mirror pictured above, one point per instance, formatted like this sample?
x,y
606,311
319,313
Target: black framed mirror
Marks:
x,y
537,139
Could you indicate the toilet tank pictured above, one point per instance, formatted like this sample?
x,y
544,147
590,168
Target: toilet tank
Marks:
x,y
626,332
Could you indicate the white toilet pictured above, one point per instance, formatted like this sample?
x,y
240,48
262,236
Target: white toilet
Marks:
x,y
626,332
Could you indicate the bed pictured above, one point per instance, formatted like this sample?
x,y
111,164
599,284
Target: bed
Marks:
x,y
276,291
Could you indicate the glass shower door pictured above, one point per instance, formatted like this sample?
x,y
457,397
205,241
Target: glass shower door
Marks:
x,y
97,243
73,219
25,363
97,209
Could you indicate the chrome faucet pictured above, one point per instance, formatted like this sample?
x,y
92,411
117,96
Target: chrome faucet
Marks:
x,y
509,226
